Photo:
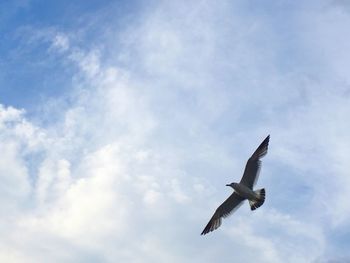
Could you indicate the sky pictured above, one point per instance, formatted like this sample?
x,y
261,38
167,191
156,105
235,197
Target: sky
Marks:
x,y
121,122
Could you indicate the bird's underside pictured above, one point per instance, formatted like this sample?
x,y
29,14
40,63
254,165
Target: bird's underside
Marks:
x,y
243,190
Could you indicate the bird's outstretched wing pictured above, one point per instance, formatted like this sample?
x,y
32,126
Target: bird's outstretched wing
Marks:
x,y
252,168
224,210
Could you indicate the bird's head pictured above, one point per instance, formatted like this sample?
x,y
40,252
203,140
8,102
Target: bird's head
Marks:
x,y
232,185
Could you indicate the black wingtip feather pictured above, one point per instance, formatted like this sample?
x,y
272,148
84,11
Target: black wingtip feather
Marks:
x,y
262,149
207,228
211,226
265,142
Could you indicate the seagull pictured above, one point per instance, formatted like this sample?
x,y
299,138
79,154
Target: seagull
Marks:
x,y
242,190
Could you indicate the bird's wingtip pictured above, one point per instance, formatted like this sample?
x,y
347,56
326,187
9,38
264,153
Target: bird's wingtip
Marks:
x,y
267,139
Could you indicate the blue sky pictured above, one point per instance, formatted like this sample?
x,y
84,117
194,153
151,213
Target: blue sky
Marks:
x,y
25,63
122,121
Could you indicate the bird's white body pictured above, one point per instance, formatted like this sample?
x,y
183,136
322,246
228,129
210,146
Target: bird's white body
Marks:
x,y
245,191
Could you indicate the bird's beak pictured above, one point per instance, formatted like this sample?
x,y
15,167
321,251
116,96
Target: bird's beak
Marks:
x,y
228,185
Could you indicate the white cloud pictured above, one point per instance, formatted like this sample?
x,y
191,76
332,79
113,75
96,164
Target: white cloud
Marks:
x,y
60,42
136,164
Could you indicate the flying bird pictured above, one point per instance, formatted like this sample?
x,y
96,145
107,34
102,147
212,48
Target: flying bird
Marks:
x,y
242,190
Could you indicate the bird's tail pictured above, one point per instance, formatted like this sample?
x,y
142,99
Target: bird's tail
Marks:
x,y
254,204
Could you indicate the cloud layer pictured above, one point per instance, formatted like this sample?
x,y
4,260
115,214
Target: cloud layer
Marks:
x,y
161,116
